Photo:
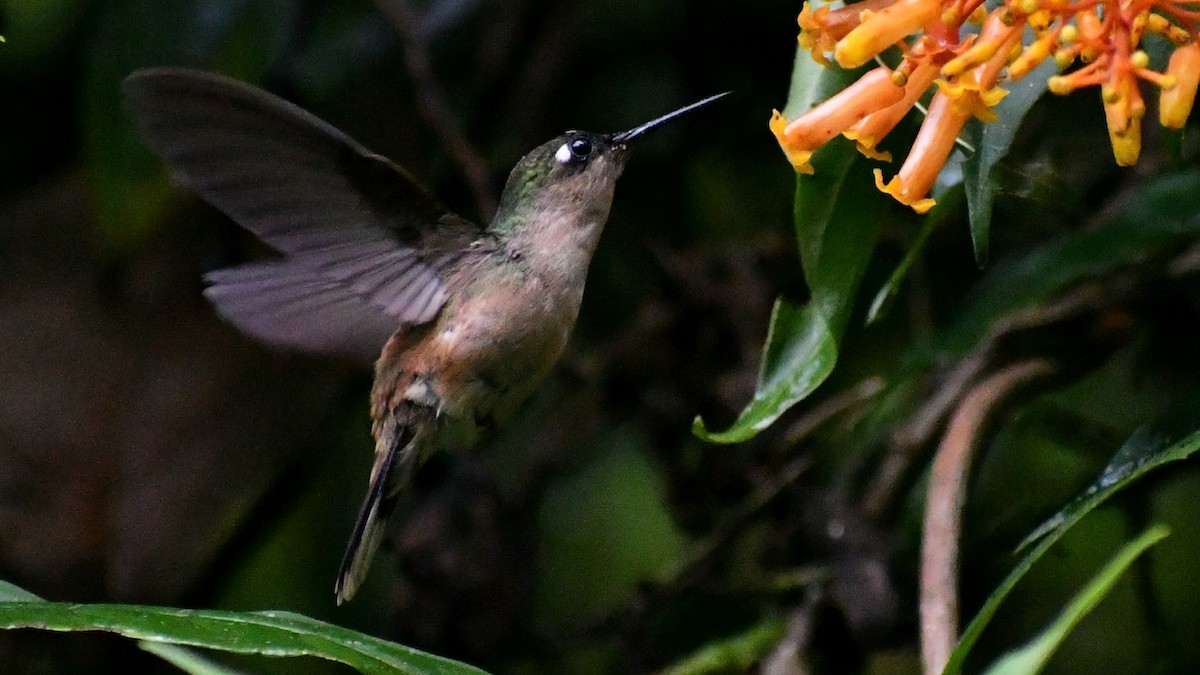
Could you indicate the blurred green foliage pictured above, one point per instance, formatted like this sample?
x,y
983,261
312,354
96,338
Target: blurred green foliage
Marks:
x,y
596,534
611,519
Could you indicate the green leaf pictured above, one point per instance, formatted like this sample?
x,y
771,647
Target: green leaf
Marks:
x,y
1162,216
266,633
800,353
838,215
12,593
837,212
187,660
882,302
992,141
735,654
1141,453
1032,657
812,83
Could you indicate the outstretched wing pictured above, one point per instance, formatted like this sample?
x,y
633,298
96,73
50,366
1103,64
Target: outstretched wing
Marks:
x,y
365,246
288,305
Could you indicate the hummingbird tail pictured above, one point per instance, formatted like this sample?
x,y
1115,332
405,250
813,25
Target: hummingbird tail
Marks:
x,y
403,452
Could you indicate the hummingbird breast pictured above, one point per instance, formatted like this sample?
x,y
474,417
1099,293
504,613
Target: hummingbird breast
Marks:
x,y
504,326
505,332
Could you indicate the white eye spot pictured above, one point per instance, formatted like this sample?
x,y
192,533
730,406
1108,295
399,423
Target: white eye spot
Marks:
x,y
563,155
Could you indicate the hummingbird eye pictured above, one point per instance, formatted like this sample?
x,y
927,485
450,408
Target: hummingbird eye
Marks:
x,y
576,151
581,148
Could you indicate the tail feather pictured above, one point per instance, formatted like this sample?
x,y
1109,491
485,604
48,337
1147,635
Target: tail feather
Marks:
x,y
393,470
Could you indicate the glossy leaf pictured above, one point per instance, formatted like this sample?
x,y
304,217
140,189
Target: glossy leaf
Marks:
x,y
734,654
837,213
883,299
992,141
12,593
812,83
1140,454
1032,657
188,660
1163,215
799,355
266,633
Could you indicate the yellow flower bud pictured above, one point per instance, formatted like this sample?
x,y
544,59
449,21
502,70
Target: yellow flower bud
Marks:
x,y
1123,110
1175,103
881,29
1128,145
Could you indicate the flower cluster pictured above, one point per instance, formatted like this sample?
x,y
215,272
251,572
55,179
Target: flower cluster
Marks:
x,y
965,68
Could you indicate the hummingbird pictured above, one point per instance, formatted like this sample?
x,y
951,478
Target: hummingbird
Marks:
x,y
460,322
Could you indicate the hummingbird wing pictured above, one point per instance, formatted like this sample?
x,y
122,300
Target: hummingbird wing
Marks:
x,y
274,301
365,246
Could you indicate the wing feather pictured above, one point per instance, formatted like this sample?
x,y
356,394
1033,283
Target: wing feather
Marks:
x,y
287,305
365,242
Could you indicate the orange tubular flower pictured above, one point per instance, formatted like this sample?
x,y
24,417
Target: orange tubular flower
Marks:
x,y
871,129
1175,102
1105,35
929,152
810,131
1159,24
880,30
820,29
838,22
995,39
1091,34
975,91
1033,55
973,94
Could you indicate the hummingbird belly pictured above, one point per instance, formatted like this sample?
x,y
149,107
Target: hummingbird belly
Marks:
x,y
492,344
500,344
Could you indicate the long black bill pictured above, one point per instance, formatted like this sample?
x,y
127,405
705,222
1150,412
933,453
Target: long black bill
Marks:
x,y
626,136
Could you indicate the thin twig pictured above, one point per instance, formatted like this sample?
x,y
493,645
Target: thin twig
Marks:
x,y
690,570
836,404
790,656
944,507
766,493
433,104
725,531
908,440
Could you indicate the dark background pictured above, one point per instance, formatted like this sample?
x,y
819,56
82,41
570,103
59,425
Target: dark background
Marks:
x,y
149,453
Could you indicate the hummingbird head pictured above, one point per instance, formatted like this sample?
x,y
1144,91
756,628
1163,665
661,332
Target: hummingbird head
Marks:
x,y
572,174
566,184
